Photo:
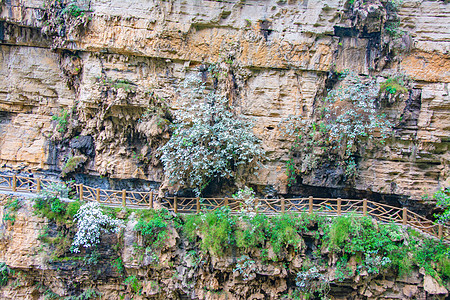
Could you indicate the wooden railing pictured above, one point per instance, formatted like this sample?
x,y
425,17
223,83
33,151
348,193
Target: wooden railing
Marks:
x,y
325,206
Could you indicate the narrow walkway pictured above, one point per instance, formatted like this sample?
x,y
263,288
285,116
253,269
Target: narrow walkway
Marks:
x,y
26,186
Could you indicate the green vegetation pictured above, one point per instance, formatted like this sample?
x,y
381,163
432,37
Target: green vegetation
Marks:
x,y
442,198
347,120
62,120
48,204
73,10
134,284
216,229
221,230
11,207
85,295
380,246
4,274
153,226
72,164
209,140
394,85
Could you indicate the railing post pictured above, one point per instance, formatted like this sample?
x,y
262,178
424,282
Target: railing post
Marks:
x,y
440,231
226,201
151,199
14,183
38,184
405,215
339,202
175,208
310,206
198,204
283,209
81,191
124,198
98,195
365,207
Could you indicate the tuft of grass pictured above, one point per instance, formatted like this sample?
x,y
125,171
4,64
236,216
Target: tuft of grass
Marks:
x,y
72,164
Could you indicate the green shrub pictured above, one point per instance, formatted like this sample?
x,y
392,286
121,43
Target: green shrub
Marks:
x,y
62,120
253,234
134,284
216,229
442,198
4,274
11,207
284,232
152,225
48,204
72,208
72,164
394,85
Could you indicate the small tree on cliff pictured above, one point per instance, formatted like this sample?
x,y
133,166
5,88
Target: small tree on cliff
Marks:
x,y
209,140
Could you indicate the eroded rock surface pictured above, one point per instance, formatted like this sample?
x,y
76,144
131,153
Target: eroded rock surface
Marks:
x,y
107,66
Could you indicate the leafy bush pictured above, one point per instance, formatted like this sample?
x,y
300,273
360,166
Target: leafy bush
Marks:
x,y
11,207
245,266
347,119
62,120
209,141
252,232
48,204
312,281
216,229
152,225
72,164
284,232
394,85
134,284
4,273
442,198
91,224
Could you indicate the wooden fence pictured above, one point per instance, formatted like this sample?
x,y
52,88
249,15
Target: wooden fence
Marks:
x,y
325,206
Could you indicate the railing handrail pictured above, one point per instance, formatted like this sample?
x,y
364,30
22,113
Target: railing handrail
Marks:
x,y
327,206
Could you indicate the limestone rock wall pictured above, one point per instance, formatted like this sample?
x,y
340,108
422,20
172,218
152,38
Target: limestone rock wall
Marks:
x,y
182,271
275,59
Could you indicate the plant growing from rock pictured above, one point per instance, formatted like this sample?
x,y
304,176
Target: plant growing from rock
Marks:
x,y
48,203
62,120
311,281
442,198
62,20
246,267
4,273
347,120
249,206
91,224
209,140
72,164
11,207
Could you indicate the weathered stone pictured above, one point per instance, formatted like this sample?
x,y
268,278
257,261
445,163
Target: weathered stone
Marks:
x,y
431,286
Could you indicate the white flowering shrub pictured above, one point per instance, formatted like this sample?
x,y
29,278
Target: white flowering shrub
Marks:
x,y
312,281
209,140
249,207
246,267
346,120
91,224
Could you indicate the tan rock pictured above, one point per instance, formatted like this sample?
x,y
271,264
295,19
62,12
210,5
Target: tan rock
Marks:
x,y
431,286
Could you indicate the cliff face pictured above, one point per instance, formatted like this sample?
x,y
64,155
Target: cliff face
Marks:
x,y
126,266
114,68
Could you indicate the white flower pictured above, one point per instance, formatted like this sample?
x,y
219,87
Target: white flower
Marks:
x,y
91,224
